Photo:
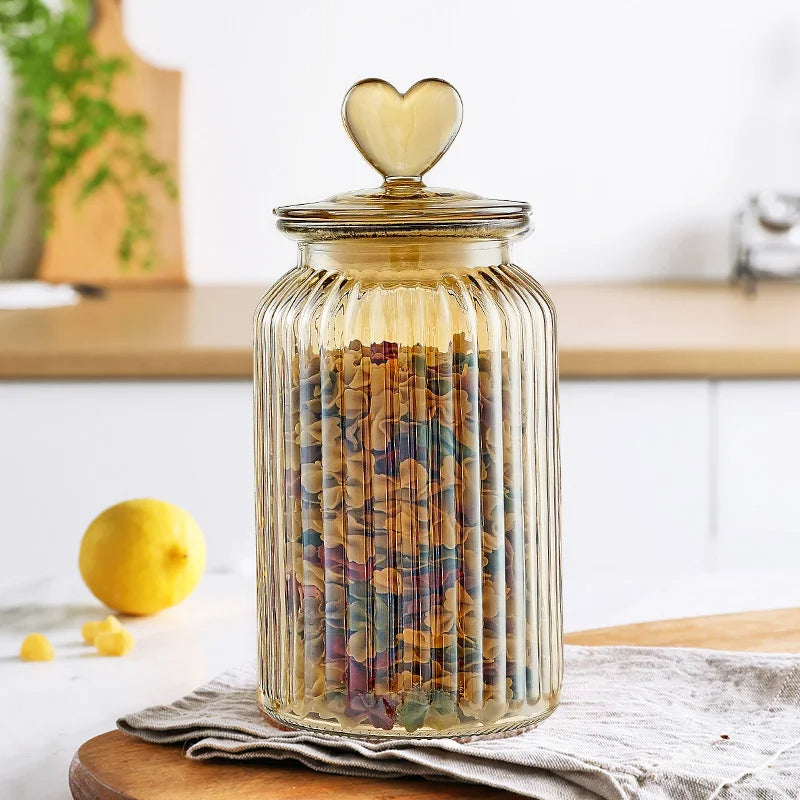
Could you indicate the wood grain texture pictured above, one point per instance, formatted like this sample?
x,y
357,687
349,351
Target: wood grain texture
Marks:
x,y
753,631
82,246
678,330
114,766
605,331
135,332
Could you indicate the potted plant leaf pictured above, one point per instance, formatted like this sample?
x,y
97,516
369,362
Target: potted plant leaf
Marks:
x,y
101,125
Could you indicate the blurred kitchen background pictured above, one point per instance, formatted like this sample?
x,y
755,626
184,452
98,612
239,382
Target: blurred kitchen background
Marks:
x,y
636,130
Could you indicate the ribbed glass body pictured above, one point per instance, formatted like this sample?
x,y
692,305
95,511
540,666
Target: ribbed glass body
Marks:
x,y
408,491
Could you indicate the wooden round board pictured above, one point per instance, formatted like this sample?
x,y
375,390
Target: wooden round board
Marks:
x,y
115,766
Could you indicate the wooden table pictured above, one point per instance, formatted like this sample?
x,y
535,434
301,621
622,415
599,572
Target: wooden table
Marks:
x,y
701,330
114,766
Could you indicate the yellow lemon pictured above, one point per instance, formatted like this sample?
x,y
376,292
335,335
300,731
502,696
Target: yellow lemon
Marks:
x,y
36,647
141,556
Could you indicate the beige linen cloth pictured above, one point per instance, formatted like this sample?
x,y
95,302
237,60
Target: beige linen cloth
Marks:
x,y
633,723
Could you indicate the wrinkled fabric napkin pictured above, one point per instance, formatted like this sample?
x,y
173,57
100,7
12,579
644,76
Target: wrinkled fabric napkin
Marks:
x,y
633,723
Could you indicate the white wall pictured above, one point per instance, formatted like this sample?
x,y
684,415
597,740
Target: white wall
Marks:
x,y
633,128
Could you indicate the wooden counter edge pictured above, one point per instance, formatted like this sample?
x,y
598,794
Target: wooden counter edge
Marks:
x,y
752,631
238,363
210,364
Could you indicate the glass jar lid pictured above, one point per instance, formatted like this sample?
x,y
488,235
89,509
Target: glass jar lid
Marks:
x,y
402,136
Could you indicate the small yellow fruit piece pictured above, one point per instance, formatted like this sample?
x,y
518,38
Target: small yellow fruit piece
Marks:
x,y
114,643
36,647
142,556
91,629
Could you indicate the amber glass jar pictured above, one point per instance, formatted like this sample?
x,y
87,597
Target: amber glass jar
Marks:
x,y
407,463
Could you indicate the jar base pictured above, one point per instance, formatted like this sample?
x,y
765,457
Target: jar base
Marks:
x,y
466,731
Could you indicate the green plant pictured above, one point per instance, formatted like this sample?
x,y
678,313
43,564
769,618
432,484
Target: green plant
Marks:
x,y
66,111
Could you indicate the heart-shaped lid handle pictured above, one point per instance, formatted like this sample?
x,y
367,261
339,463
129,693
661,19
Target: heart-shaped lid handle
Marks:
x,y
402,135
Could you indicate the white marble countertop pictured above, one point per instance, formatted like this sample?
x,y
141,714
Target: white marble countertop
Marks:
x,y
48,709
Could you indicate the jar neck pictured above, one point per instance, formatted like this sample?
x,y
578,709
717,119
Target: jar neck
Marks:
x,y
403,255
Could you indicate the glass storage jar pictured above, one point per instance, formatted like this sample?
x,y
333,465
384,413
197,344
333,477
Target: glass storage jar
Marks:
x,y
407,461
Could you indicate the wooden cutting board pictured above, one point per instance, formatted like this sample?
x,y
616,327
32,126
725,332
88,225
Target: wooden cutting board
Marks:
x,y
82,246
115,766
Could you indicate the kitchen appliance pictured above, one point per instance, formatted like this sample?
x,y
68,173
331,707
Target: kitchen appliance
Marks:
x,y
766,238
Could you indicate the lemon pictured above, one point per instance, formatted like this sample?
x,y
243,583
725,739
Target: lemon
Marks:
x,y
142,556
